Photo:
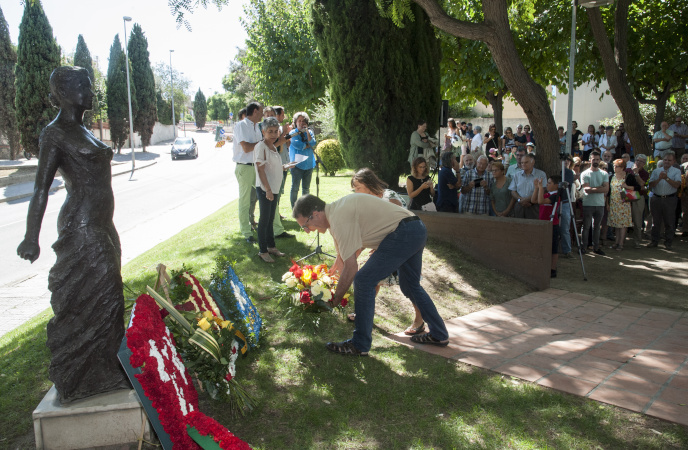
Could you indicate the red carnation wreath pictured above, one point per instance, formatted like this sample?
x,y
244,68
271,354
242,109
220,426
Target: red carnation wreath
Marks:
x,y
165,380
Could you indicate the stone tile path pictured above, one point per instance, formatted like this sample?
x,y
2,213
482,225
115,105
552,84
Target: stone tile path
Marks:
x,y
625,354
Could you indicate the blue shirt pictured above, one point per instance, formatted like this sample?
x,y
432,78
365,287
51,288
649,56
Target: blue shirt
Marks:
x,y
302,147
446,196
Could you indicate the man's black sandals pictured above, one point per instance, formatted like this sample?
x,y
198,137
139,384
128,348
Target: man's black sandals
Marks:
x,y
428,339
345,348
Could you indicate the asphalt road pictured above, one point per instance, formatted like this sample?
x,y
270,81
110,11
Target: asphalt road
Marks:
x,y
158,202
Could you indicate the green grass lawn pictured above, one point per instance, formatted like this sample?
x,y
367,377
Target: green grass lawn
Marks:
x,y
396,398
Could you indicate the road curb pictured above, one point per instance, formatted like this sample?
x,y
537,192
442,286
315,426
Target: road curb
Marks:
x,y
57,188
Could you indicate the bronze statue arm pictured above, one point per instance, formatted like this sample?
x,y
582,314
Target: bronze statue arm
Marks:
x,y
45,174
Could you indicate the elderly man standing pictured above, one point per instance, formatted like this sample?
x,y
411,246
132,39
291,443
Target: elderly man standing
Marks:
x,y
595,184
477,141
664,183
246,135
398,238
608,141
522,187
678,143
475,185
662,140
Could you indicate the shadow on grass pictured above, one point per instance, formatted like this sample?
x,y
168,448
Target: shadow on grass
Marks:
x,y
400,398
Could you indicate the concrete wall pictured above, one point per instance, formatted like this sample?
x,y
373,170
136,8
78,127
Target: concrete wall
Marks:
x,y
520,248
587,108
161,133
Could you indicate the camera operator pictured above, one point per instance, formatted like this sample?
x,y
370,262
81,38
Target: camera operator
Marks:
x,y
421,144
302,143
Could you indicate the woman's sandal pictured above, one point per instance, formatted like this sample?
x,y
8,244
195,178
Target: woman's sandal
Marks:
x,y
274,251
345,348
266,257
410,331
428,339
351,317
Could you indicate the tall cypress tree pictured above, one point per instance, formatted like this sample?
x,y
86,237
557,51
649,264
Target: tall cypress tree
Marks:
x,y
117,101
146,113
37,56
200,109
383,79
8,114
82,58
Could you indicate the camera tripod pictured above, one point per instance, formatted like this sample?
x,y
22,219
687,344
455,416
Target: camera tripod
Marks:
x,y
318,249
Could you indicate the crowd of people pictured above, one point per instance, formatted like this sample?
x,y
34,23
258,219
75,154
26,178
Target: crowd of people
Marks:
x,y
610,191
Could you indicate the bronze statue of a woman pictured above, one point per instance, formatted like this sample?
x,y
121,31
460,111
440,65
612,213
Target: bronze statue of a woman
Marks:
x,y
86,283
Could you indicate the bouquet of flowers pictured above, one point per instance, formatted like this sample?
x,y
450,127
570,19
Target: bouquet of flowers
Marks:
x,y
308,290
208,341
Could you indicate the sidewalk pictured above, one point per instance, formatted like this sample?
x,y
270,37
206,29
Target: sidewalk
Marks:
x,y
120,166
626,354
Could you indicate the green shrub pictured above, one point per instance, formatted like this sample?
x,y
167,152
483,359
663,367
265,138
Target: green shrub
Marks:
x,y
330,152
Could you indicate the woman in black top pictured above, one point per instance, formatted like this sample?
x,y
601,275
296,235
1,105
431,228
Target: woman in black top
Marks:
x,y
491,139
419,185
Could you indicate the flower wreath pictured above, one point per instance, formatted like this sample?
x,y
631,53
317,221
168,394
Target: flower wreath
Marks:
x,y
165,381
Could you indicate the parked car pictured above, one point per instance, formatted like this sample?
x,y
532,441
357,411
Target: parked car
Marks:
x,y
184,147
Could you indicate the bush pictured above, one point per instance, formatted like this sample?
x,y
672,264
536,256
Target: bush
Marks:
x,y
330,152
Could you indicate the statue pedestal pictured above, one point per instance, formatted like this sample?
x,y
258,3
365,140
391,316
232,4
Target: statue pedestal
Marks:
x,y
113,418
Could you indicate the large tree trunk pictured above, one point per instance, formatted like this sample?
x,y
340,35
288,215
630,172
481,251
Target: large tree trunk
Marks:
x,y
615,64
495,32
660,102
497,103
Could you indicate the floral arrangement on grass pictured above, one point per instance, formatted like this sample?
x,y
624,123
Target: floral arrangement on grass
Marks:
x,y
209,342
307,291
161,373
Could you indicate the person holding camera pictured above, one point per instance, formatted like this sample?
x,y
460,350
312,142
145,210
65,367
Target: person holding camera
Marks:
x,y
476,187
421,143
302,143
419,186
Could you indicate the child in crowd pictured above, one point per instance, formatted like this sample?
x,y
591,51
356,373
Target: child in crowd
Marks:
x,y
547,200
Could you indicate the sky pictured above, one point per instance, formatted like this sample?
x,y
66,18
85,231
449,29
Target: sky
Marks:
x,y
203,54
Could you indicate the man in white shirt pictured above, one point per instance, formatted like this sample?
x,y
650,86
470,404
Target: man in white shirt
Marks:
x,y
608,141
246,135
664,183
662,140
477,142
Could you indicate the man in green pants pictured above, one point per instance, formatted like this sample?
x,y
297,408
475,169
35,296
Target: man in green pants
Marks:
x,y
246,135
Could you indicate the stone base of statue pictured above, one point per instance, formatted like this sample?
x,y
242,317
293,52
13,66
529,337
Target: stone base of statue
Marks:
x,y
113,418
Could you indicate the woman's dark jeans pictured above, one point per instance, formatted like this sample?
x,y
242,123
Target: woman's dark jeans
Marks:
x,y
266,237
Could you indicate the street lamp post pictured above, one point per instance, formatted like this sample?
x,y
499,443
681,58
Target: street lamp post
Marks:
x,y
131,119
183,109
174,128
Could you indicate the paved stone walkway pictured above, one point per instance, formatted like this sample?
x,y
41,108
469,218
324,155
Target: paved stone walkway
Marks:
x,y
625,354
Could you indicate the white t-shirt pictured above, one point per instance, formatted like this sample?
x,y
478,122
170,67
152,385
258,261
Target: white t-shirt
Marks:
x,y
477,143
272,162
245,131
590,139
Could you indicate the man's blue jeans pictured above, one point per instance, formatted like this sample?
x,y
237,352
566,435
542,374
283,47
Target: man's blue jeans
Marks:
x,y
401,250
565,228
302,177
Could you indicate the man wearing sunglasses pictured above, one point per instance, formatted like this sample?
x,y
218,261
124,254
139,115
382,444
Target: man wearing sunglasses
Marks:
x,y
398,237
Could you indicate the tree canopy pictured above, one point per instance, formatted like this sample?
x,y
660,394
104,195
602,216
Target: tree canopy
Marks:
x,y
238,84
382,79
146,112
37,56
117,96
281,55
8,114
161,71
200,109
82,58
